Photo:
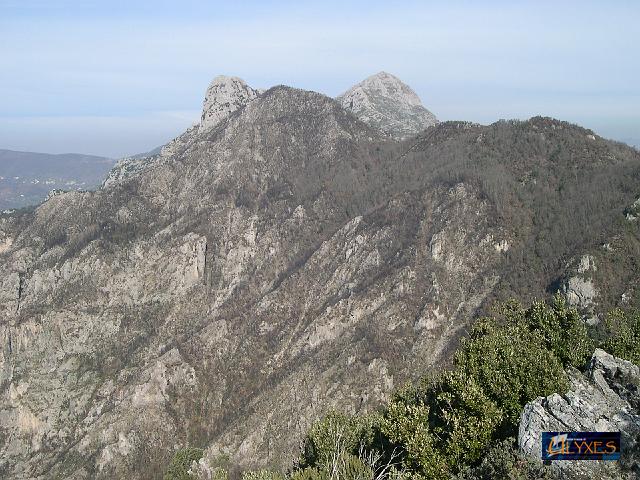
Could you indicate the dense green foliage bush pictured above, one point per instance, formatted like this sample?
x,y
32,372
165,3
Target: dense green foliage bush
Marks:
x,y
437,425
337,434
623,335
510,364
563,330
181,463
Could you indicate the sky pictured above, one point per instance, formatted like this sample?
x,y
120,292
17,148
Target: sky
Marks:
x,y
115,77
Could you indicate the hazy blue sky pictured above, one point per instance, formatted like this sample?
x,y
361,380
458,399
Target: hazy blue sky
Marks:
x,y
120,77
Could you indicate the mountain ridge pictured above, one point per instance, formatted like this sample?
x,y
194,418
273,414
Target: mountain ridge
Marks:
x,y
287,260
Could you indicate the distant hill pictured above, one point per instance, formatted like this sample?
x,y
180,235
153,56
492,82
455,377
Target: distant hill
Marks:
x,y
27,177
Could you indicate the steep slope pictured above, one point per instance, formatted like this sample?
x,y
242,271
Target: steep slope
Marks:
x,y
287,259
26,177
186,301
384,102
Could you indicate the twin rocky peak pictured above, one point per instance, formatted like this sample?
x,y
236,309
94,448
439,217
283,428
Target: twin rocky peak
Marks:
x,y
382,101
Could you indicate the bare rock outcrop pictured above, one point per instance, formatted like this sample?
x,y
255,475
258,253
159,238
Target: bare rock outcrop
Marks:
x,y
604,398
224,96
386,103
579,287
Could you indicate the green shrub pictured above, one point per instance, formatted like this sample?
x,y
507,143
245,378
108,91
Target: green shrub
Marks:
x,y
440,424
405,426
343,466
350,467
511,364
504,461
181,463
562,328
623,335
334,435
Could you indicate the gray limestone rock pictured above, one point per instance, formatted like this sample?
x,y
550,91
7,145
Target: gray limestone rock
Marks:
x,y
384,102
605,398
224,96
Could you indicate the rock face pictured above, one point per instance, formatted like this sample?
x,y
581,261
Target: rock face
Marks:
x,y
604,398
633,211
288,259
224,96
386,103
579,288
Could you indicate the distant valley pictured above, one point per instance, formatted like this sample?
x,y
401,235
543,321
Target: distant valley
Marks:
x,y
26,178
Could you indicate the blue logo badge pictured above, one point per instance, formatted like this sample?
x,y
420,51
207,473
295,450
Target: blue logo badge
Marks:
x,y
581,445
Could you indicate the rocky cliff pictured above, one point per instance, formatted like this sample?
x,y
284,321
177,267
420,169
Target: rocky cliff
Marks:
x,y
224,96
281,259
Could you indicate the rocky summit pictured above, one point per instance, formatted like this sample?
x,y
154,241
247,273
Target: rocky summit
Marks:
x,y
386,103
287,255
224,96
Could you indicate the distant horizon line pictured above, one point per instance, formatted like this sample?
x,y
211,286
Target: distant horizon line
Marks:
x,y
630,141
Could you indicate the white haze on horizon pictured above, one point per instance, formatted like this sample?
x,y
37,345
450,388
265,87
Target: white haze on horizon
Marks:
x,y
117,78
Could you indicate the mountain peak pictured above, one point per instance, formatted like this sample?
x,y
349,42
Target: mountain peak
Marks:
x,y
391,86
224,96
385,102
